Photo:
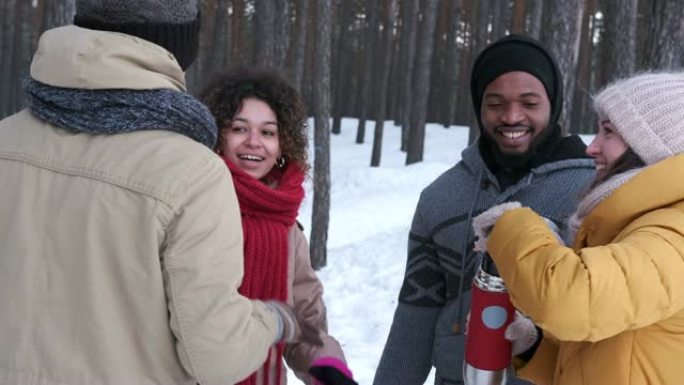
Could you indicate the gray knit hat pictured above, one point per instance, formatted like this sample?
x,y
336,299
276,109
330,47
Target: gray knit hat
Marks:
x,y
172,24
648,112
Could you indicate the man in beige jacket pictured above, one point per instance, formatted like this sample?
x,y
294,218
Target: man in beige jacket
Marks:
x,y
120,237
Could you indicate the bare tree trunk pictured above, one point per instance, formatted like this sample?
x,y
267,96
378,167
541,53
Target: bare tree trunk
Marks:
x,y
581,105
383,74
562,36
321,199
221,30
366,89
197,75
464,107
589,119
339,64
619,43
240,47
409,50
501,18
452,65
644,34
282,34
393,86
8,51
310,56
300,44
399,63
480,25
265,36
668,34
518,20
535,18
414,151
438,81
23,40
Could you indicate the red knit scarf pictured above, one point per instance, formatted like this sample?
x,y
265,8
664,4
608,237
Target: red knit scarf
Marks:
x,y
267,215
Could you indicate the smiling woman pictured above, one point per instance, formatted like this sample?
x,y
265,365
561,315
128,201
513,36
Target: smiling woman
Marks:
x,y
251,139
263,141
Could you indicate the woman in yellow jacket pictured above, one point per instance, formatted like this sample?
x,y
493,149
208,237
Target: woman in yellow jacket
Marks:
x,y
611,307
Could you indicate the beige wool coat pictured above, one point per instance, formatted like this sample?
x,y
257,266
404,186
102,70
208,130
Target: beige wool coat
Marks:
x,y
120,255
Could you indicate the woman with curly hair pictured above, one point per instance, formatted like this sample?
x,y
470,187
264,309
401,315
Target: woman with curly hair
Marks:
x,y
263,141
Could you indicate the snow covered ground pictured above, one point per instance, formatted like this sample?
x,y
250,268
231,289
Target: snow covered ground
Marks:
x,y
371,211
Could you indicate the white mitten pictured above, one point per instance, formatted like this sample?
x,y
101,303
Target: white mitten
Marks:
x,y
522,333
483,223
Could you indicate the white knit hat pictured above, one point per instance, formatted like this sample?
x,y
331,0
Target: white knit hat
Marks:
x,y
648,112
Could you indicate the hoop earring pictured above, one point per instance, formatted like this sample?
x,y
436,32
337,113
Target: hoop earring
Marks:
x,y
280,162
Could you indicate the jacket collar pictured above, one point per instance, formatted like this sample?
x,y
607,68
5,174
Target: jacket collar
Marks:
x,y
74,57
633,199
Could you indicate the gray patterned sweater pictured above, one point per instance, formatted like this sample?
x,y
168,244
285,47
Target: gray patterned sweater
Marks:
x,y
435,296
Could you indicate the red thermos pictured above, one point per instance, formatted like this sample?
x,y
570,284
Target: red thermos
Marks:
x,y
488,352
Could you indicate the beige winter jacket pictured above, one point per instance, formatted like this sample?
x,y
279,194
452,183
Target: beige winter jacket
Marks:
x,y
120,256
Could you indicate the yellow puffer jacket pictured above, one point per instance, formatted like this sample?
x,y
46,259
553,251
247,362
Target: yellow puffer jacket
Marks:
x,y
612,306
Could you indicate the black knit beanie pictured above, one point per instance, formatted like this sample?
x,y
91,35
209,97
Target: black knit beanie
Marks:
x,y
517,53
172,24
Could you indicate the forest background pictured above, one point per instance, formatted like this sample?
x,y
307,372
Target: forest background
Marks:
x,y
405,61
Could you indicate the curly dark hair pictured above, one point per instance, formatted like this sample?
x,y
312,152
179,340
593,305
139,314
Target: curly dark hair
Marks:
x,y
224,96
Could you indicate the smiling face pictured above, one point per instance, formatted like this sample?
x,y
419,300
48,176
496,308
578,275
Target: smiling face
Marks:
x,y
515,111
606,148
251,139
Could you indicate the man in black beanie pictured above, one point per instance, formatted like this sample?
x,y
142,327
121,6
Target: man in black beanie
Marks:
x,y
521,156
121,249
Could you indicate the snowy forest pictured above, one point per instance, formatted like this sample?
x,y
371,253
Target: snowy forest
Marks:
x,y
404,61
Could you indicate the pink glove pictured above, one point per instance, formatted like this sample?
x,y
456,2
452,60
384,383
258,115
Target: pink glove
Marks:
x,y
331,371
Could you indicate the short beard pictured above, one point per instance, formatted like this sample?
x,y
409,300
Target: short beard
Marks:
x,y
517,162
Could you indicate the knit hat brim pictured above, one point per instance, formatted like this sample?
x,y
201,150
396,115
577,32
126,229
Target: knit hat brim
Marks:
x,y
182,40
647,110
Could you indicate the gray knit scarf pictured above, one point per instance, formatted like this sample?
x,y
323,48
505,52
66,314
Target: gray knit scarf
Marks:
x,y
113,111
594,197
